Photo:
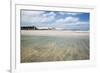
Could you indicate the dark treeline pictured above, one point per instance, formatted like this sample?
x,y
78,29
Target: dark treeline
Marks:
x,y
29,28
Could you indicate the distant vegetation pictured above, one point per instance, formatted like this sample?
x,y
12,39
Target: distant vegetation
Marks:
x,y
29,28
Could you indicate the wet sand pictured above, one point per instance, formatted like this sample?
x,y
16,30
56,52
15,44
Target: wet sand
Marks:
x,y
47,45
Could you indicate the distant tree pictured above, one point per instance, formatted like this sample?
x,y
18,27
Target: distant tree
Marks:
x,y
29,28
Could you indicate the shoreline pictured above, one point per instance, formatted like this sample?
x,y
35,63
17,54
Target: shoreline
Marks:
x,y
54,33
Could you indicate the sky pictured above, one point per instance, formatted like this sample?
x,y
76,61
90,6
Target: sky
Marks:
x,y
55,19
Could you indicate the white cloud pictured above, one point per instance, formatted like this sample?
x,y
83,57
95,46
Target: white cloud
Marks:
x,y
69,13
47,19
73,13
37,17
62,13
71,19
31,13
68,20
82,22
49,14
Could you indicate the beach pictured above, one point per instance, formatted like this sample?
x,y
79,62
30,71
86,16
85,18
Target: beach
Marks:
x,y
54,45
54,33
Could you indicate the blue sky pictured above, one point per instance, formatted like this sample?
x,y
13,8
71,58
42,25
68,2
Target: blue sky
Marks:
x,y
56,19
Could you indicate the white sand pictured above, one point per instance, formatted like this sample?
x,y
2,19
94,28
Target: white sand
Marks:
x,y
54,33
